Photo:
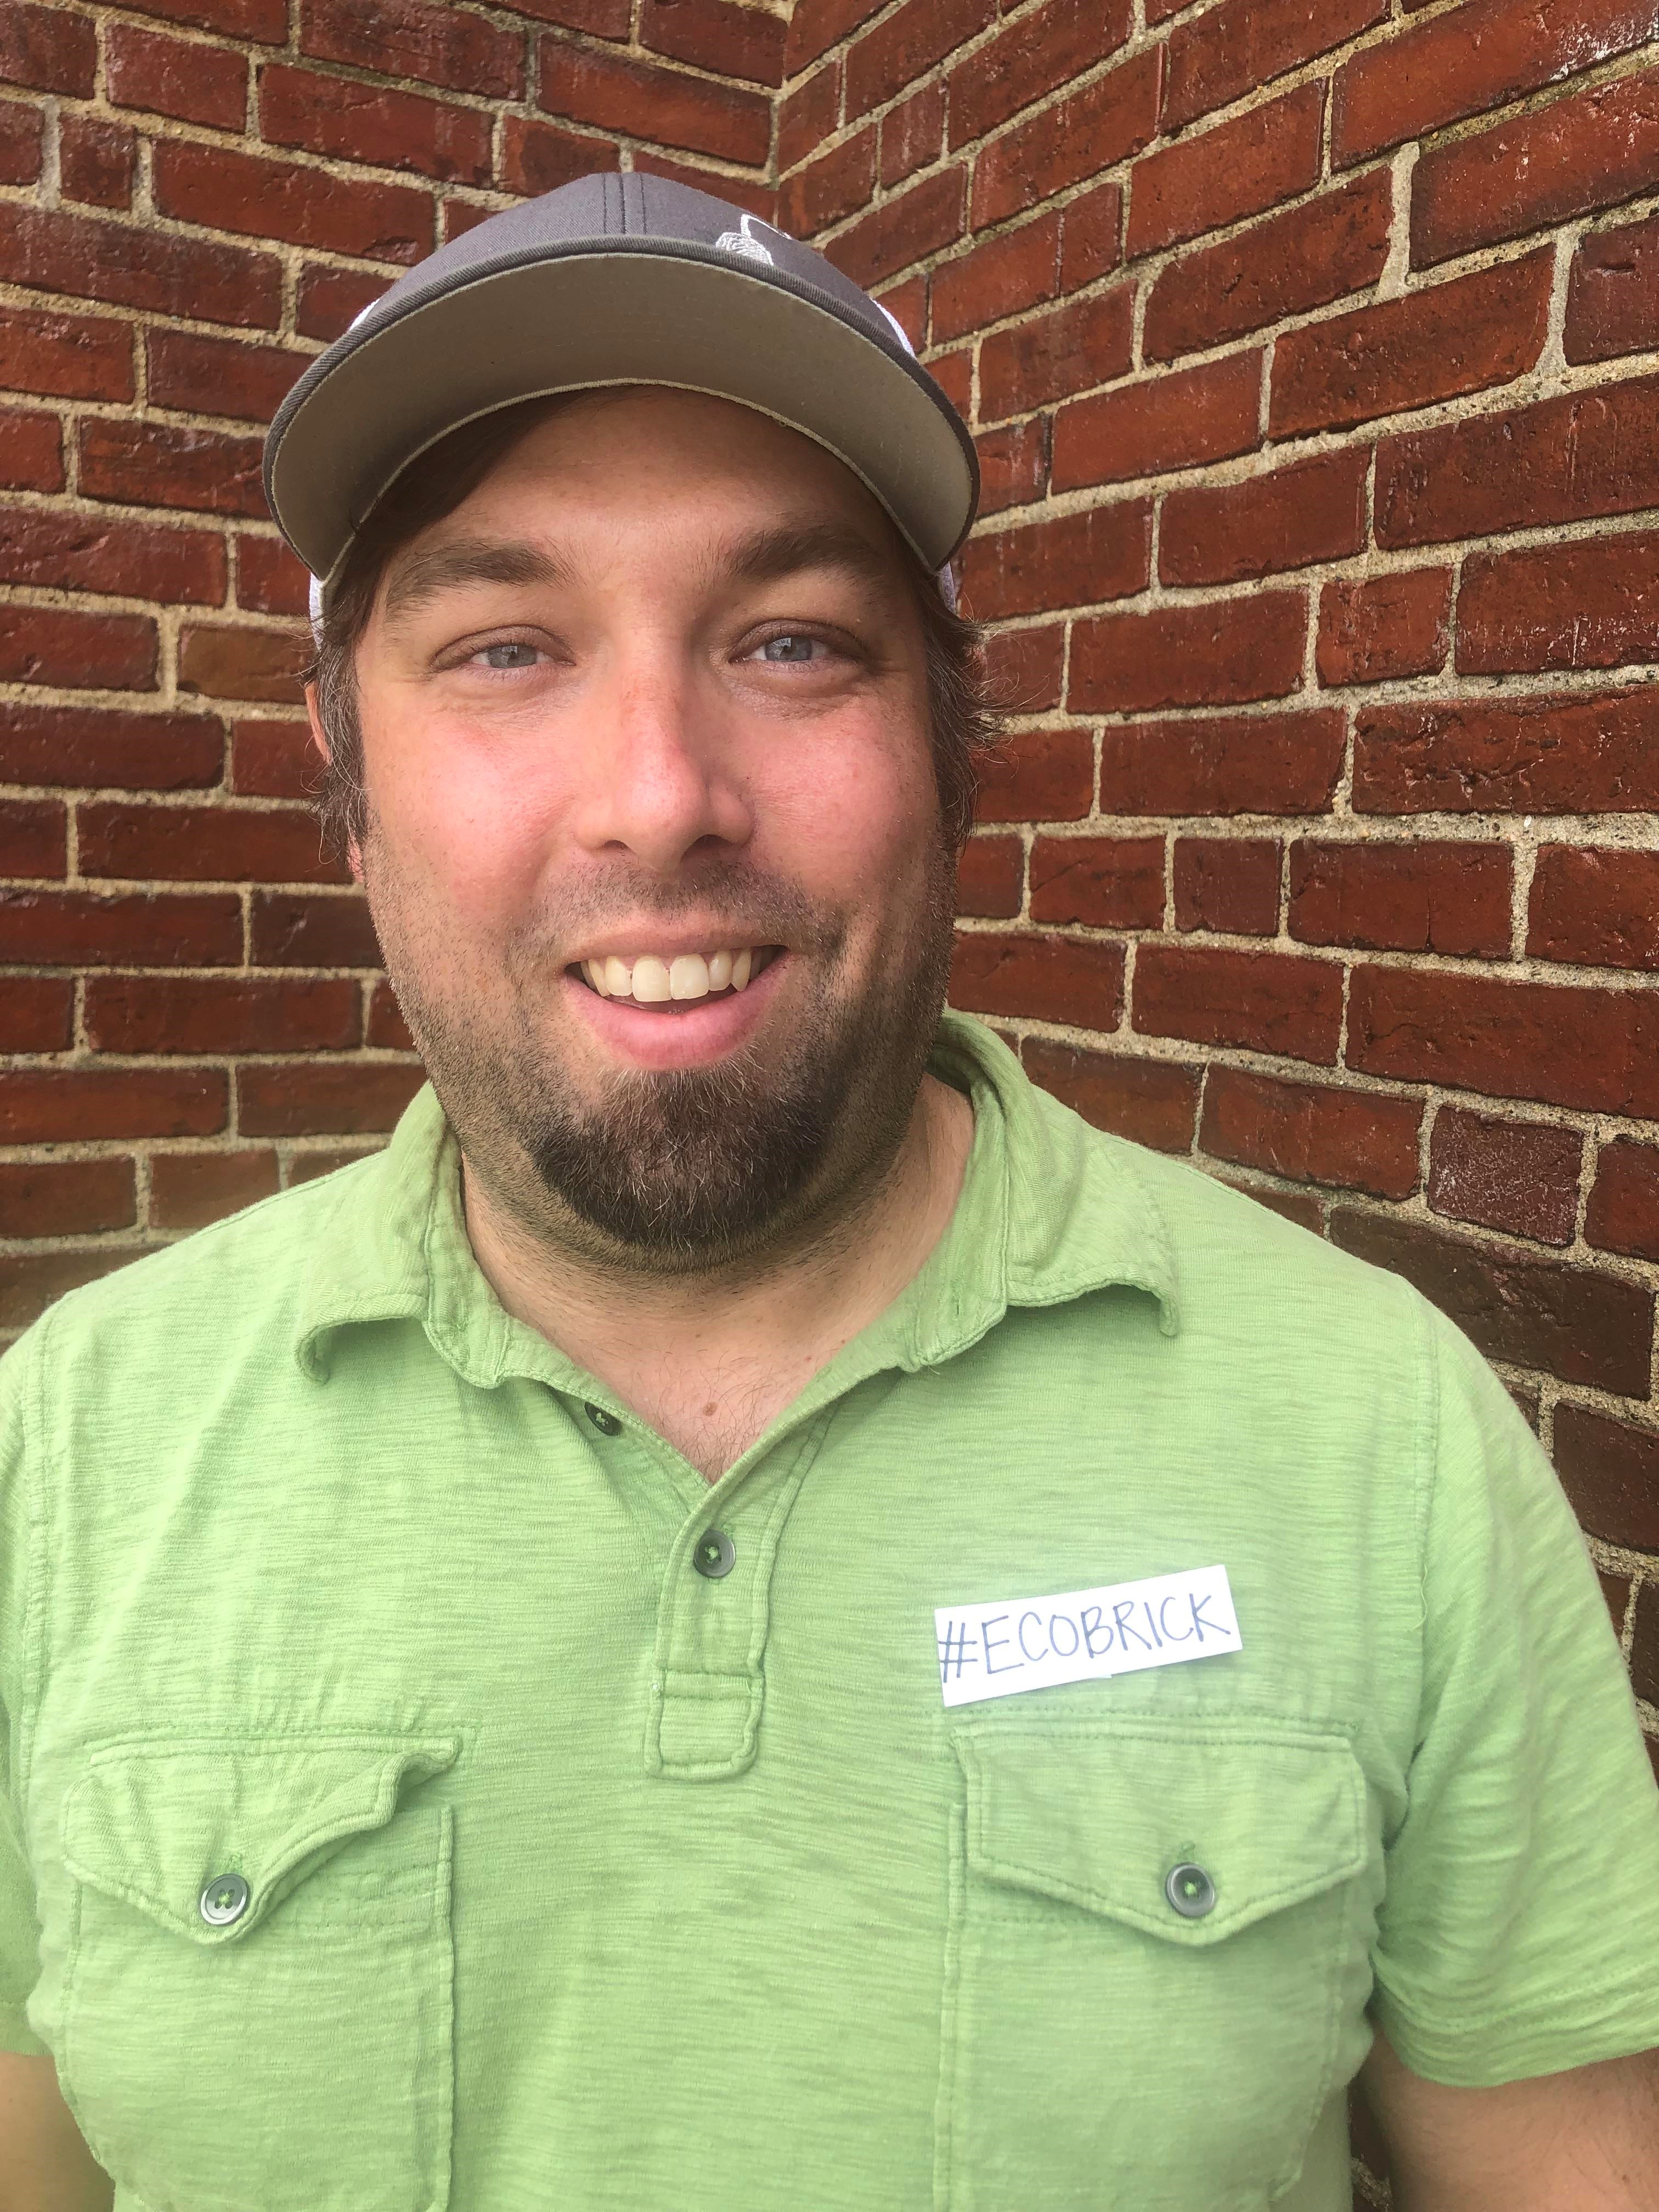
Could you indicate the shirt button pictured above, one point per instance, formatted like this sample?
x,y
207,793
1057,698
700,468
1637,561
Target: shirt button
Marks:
x,y
713,1554
606,1424
1190,1890
224,1901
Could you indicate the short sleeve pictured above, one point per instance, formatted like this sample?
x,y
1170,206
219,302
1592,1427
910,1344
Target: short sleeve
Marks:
x,y
1519,1933
19,1938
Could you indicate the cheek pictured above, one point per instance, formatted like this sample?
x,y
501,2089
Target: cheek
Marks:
x,y
459,829
853,823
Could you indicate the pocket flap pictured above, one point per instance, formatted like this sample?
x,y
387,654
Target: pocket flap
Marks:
x,y
155,1823
1100,1818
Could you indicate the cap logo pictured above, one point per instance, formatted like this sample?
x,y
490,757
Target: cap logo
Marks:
x,y
744,242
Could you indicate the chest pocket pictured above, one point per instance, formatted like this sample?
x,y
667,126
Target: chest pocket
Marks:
x,y
258,1998
1154,1930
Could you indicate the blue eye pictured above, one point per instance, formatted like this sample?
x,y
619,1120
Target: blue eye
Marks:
x,y
790,646
511,652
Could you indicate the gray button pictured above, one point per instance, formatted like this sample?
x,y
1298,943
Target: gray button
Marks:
x,y
225,1899
713,1553
606,1424
1190,1890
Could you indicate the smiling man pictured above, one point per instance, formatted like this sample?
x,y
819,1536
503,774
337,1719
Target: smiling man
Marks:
x,y
751,1615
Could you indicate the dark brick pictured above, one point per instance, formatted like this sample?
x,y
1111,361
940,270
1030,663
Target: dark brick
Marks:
x,y
1417,897
1048,46
1314,510
997,278
386,1027
1085,341
1276,763
1151,1101
330,300
409,38
1593,604
1040,775
1613,293
31,451
55,1105
187,1190
340,1097
270,580
906,44
292,930
1264,1001
1596,906
184,78
1610,1471
912,134
828,189
77,552
273,759
22,143
229,190
1219,56
65,356
1076,560
808,115
37,1014
377,123
130,266
1089,130
1233,170
1173,421
97,160
219,376
196,1014
1092,241
30,1281
48,49
1013,464
902,230
1052,979
91,747
91,652
1023,668
65,1197
615,92
538,157
1623,1215
171,464
1228,652
991,877
1518,1175
1229,885
1377,627
1562,753
1109,883
1307,1133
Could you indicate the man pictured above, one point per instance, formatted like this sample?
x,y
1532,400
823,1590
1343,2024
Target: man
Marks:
x,y
752,1615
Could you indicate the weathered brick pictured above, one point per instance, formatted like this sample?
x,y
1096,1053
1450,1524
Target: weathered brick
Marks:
x,y
1613,293
92,652
1277,763
1596,906
1025,667
77,552
1219,56
187,1190
409,38
56,1105
22,142
291,929
1467,60
905,46
97,160
1610,1471
1306,1210
65,1197
1230,171
670,106
1092,241
1079,135
265,22
834,185
902,230
1174,421
91,747
1264,1001
1084,341
1229,885
271,582
171,464
1623,1214
1040,775
1226,653
1464,336
130,266
330,1098
34,837
1109,883
997,278
1503,1174
48,49
1013,464
954,374
1151,1101
732,41
1593,604
180,78
600,18
1376,628
1314,510
1046,979
1563,1045
1308,1132
67,356
241,664
202,844
272,759
808,115
31,1281
379,123
305,1166
1424,896
1561,753
230,191
328,300
538,157
1615,1588
31,451
1587,150
221,1014
1644,1646
1076,560
387,1030
1047,46
991,877
37,1014
1570,1322
219,376
912,134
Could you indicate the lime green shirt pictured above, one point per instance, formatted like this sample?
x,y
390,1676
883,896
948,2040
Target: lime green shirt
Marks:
x,y
404,1819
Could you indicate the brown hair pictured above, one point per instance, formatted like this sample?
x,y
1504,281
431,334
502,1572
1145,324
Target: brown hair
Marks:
x,y
962,717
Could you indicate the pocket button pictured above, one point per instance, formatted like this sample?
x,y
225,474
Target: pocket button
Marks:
x,y
1190,1890
224,1901
714,1554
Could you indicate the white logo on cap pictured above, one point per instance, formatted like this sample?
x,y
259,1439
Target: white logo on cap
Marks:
x,y
744,241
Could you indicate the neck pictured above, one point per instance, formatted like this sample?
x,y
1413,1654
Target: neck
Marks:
x,y
709,1360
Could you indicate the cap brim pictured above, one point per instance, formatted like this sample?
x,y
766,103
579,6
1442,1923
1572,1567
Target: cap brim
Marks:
x,y
628,311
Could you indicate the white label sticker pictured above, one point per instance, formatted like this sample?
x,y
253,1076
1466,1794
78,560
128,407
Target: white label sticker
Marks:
x,y
1011,1644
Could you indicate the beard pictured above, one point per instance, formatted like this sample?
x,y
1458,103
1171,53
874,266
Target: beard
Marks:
x,y
686,1170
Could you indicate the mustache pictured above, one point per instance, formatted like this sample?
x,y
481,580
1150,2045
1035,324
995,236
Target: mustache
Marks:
x,y
753,904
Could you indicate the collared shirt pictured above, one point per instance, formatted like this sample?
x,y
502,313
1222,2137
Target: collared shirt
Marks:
x,y
406,1817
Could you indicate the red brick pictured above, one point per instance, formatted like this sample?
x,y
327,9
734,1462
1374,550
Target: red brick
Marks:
x,y
37,1014
1353,1139
92,652
31,1281
1174,421
1013,464
1227,884
1613,293
1078,137
1221,55
32,837
272,760
1305,1211
1576,1046
668,106
1598,907
1046,979
97,160
1590,150
130,266
902,230
329,300
1590,604
906,44
74,552
1417,897
65,1197
270,581
57,1105
91,747
538,157
836,185
1623,1215
1616,1589
1644,1648
1470,59
31,451
1151,1101
1277,763
360,121
241,664
1572,752
456,216
912,134
386,1027
48,49
201,844
1109,883
1092,245
1314,510
68,356
220,1013
330,1098
1477,330
760,198
906,303
1376,628
219,376
807,116
230,191
1518,1175
1040,775
184,78
1084,341
1047,46
601,19
954,374
997,278
324,1159
1076,560
1610,1471
1234,170
1024,668
991,877
187,1190
262,20
815,26
291,929
22,143
171,464
409,38
1226,653
1265,1002
732,41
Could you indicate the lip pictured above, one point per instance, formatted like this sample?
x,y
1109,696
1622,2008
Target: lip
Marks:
x,y
703,1031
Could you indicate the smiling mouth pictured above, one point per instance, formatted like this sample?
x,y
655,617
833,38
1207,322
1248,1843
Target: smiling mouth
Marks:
x,y
675,985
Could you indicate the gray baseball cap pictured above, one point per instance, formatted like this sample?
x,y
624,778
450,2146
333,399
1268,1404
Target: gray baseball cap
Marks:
x,y
616,280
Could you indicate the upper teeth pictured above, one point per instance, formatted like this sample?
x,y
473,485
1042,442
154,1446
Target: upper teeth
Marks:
x,y
648,980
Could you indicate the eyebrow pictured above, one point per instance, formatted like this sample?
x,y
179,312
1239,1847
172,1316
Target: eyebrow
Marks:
x,y
469,561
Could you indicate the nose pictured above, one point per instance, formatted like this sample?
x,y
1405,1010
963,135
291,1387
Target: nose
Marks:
x,y
662,782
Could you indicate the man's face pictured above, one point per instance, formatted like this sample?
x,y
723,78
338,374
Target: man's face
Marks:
x,y
654,848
